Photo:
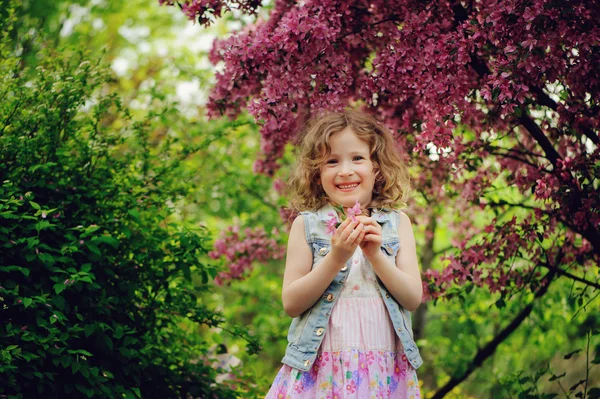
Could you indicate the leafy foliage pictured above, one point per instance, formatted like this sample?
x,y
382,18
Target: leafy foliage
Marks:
x,y
96,294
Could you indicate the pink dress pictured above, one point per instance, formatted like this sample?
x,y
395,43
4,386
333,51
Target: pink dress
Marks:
x,y
361,356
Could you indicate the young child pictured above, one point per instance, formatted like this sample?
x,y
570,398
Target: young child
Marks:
x,y
349,289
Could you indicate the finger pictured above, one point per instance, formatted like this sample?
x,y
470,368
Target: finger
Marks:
x,y
372,237
373,230
360,237
354,235
343,225
348,230
340,229
367,220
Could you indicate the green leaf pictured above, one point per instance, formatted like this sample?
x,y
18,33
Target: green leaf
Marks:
x,y
35,205
500,303
575,386
89,329
65,361
135,213
597,357
58,288
79,352
23,270
92,247
570,355
557,377
108,240
27,302
59,302
108,342
86,267
118,332
75,366
524,380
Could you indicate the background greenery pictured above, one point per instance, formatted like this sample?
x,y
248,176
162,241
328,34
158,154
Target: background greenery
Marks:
x,y
114,185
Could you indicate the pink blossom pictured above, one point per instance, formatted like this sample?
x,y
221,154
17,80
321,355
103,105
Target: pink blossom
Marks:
x,y
239,250
331,223
354,211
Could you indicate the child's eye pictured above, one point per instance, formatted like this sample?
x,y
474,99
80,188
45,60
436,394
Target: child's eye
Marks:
x,y
331,161
357,158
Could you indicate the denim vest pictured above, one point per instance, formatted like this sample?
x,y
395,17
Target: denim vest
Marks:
x,y
307,330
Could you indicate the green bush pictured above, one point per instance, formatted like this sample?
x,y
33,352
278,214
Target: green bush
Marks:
x,y
96,292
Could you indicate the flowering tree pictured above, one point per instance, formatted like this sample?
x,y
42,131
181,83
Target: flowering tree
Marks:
x,y
496,103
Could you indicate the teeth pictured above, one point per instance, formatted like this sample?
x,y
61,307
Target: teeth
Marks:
x,y
347,186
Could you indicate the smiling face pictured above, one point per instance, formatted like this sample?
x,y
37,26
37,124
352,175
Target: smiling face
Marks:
x,y
347,173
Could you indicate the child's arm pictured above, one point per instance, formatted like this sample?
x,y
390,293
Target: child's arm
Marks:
x,y
402,280
302,287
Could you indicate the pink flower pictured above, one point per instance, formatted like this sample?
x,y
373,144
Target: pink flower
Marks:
x,y
331,223
351,387
354,211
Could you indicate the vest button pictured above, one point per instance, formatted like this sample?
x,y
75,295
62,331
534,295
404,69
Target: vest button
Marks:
x,y
329,298
319,331
323,251
306,363
387,296
344,268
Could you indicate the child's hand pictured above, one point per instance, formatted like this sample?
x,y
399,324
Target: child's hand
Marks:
x,y
345,240
371,243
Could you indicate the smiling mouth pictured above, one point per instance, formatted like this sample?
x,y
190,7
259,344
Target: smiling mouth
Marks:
x,y
349,186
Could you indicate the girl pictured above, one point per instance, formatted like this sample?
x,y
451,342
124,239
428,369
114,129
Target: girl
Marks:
x,y
349,293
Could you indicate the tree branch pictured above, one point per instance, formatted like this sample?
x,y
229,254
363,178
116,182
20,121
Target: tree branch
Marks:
x,y
540,137
545,100
506,203
489,349
560,271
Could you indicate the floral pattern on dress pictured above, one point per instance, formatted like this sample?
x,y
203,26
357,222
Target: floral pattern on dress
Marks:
x,y
349,374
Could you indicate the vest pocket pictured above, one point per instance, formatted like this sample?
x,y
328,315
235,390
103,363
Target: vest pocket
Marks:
x,y
320,249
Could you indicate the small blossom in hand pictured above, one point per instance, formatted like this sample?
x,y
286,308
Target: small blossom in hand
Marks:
x,y
354,211
331,224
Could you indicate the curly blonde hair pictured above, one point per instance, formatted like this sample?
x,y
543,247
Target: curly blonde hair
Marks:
x,y
392,182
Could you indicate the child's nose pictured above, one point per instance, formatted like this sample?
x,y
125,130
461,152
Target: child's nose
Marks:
x,y
345,170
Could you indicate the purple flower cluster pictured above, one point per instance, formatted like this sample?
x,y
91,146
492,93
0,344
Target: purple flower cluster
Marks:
x,y
239,250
